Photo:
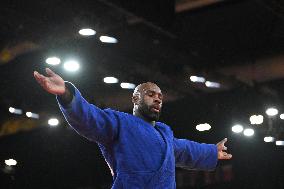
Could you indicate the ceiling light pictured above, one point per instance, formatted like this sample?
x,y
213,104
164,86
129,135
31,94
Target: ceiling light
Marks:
x,y
197,79
53,122
71,65
15,111
10,162
281,116
256,119
107,39
110,80
268,139
279,143
271,111
32,115
87,32
203,127
249,132
211,84
53,61
127,85
237,128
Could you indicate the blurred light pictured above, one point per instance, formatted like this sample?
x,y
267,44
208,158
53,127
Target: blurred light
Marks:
x,y
271,111
127,85
29,114
256,119
268,139
197,79
15,111
279,143
107,39
211,84
53,122
248,132
32,115
110,80
71,65
87,32
237,128
53,61
10,162
281,116
203,127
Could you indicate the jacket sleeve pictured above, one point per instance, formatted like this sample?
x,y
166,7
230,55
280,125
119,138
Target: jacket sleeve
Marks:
x,y
193,155
88,120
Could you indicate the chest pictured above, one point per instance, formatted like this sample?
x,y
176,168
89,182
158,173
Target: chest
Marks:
x,y
136,134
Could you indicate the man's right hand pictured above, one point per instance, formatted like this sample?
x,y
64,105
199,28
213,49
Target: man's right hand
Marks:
x,y
53,83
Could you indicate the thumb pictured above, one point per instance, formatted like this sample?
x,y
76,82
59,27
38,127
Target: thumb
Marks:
x,y
50,72
224,140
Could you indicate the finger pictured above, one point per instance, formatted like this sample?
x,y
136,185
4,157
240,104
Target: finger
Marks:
x,y
224,140
38,77
41,79
225,155
50,72
228,156
225,148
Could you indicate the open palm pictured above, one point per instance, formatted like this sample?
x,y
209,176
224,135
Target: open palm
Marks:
x,y
52,83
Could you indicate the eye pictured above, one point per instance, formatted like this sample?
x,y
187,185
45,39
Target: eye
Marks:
x,y
151,94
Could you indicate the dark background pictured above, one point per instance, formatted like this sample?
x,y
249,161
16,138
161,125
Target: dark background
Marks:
x,y
237,43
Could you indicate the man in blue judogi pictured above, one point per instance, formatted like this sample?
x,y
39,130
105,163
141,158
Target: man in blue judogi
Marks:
x,y
140,151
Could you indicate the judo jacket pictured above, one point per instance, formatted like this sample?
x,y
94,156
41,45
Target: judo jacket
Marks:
x,y
139,155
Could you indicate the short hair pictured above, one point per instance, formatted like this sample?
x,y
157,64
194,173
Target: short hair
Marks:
x,y
141,86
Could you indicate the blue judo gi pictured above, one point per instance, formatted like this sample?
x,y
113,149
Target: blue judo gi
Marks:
x,y
140,155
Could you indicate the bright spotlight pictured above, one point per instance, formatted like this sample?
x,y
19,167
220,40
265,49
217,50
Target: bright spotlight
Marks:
x,y
15,111
281,116
110,80
268,139
279,143
53,122
127,85
256,119
53,61
107,39
32,115
87,32
29,114
10,162
211,84
203,127
271,111
249,132
237,128
197,79
71,65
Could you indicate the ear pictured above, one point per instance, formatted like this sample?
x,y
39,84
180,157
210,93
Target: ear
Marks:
x,y
135,99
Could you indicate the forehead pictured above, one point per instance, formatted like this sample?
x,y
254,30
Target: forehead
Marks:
x,y
150,87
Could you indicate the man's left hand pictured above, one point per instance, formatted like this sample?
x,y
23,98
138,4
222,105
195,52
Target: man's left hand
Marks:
x,y
221,150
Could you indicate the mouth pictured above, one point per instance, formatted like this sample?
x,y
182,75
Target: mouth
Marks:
x,y
156,108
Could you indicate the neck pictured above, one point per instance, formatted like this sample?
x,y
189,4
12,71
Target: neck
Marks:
x,y
138,114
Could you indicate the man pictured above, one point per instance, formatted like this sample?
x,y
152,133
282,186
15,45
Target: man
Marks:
x,y
140,152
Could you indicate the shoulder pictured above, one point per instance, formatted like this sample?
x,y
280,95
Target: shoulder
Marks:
x,y
118,113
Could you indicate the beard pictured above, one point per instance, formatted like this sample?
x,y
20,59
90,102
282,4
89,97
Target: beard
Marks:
x,y
146,112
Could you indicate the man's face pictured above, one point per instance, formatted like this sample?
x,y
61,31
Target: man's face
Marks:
x,y
150,103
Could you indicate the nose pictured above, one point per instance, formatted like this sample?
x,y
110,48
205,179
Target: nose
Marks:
x,y
157,99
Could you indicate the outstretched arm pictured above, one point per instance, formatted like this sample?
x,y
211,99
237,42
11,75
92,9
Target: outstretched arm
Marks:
x,y
88,120
193,155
